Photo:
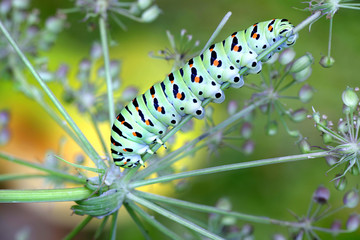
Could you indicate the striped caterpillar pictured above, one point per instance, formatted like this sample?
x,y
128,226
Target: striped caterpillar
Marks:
x,y
147,117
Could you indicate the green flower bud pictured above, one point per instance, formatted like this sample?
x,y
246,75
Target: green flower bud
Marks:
x,y
232,107
355,170
271,128
353,222
287,56
306,93
351,199
302,75
301,63
350,98
248,147
20,4
143,4
304,146
331,160
298,115
150,14
246,130
340,183
273,59
343,126
327,138
327,62
55,24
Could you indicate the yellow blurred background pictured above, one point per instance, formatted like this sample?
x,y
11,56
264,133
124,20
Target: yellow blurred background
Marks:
x,y
267,191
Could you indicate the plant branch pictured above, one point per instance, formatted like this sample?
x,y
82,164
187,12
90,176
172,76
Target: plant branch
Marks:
x,y
172,216
105,49
44,195
229,167
52,172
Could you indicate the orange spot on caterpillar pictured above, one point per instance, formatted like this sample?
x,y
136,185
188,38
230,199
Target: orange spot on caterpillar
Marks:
x,y
159,109
216,63
124,150
147,122
117,117
122,122
270,28
172,81
197,79
191,65
179,95
137,108
255,35
236,48
153,95
134,133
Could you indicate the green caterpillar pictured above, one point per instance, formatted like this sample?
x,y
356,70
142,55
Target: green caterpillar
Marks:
x,y
146,118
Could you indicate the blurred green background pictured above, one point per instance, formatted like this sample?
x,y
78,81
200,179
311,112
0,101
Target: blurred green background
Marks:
x,y
268,191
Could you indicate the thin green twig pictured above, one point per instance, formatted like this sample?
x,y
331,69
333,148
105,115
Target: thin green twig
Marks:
x,y
137,221
154,222
105,49
172,216
78,228
113,225
52,172
228,167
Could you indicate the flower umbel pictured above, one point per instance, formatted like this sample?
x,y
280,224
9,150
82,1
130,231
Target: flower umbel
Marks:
x,y
346,138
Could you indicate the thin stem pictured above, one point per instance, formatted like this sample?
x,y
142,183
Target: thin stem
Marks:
x,y
229,167
137,221
44,195
94,156
52,172
100,229
98,132
330,36
216,32
151,220
78,228
172,216
113,225
211,209
105,49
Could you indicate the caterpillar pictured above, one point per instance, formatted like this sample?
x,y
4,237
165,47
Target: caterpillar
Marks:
x,y
147,117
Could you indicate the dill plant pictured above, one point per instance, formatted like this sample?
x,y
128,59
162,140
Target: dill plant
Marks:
x,y
112,188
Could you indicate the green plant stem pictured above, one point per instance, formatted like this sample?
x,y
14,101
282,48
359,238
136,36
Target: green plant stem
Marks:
x,y
105,49
137,221
52,172
217,31
100,229
44,195
211,209
113,225
94,156
151,220
229,167
78,228
172,216
98,132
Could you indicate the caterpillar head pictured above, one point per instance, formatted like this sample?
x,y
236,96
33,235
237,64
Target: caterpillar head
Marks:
x,y
285,29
